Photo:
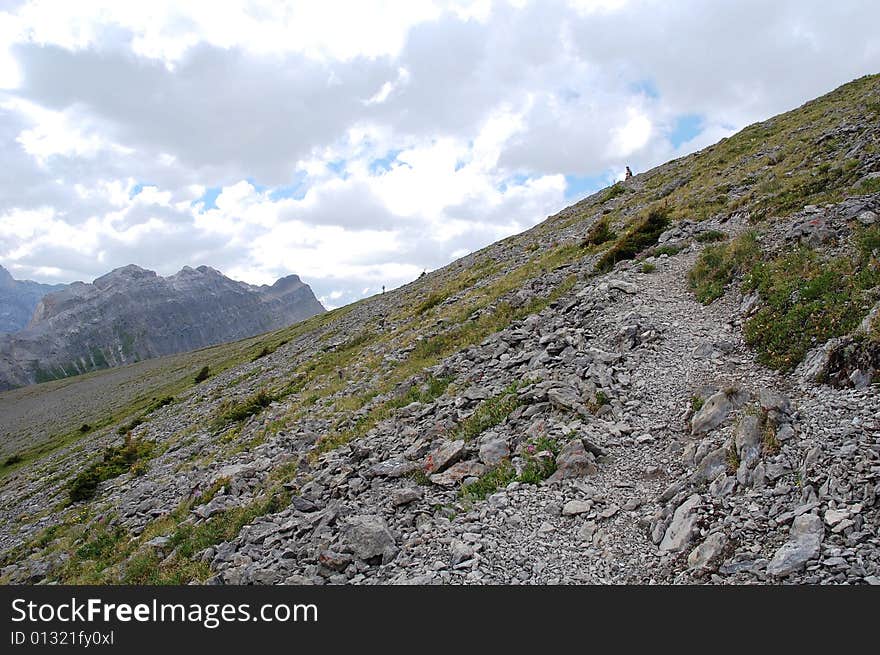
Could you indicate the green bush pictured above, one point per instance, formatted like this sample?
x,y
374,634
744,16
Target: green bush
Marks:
x,y
203,374
806,300
710,236
613,191
490,413
648,267
237,412
718,265
641,235
490,482
600,232
116,460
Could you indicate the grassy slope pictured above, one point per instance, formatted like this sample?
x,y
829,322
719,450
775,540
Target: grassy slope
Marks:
x,y
768,169
370,351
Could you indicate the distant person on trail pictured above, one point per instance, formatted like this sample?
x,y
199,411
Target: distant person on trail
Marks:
x,y
629,173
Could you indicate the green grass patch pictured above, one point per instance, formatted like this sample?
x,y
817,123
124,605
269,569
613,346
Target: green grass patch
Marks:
x,y
711,236
615,190
806,300
488,483
488,414
869,186
237,412
641,235
717,266
116,461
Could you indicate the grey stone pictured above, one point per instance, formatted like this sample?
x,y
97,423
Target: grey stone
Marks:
x,y
393,468
368,537
803,545
683,526
707,556
460,551
587,531
711,466
711,414
749,440
405,496
444,456
626,287
458,472
494,451
575,507
574,461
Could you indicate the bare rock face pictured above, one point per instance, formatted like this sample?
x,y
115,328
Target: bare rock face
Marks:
x,y
18,299
131,314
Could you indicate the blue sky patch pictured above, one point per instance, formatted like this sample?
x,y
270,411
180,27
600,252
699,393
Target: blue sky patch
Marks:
x,y
137,188
686,127
209,198
296,189
338,166
383,164
259,188
513,180
580,186
645,87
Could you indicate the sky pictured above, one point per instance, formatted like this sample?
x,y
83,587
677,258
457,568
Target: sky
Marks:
x,y
357,144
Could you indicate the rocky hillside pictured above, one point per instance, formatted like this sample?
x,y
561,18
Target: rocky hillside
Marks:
x,y
18,299
673,380
132,314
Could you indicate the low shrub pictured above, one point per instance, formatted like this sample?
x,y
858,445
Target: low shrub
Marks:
x,y
115,461
711,236
237,412
488,414
717,266
203,374
600,232
641,235
806,300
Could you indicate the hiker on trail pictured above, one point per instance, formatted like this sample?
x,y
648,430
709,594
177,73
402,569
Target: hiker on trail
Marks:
x,y
629,173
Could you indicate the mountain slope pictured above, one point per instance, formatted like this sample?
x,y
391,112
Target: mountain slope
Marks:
x,y
559,407
132,314
18,299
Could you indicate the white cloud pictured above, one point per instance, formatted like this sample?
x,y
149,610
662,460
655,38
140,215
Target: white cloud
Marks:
x,y
358,144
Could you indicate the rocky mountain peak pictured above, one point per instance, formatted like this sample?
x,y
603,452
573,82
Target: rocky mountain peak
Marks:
x,y
124,275
132,313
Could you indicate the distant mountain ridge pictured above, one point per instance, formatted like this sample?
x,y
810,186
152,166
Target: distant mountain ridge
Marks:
x,y
131,314
18,299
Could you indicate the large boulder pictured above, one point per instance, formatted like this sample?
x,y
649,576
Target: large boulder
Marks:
x,y
683,527
803,545
574,461
368,537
